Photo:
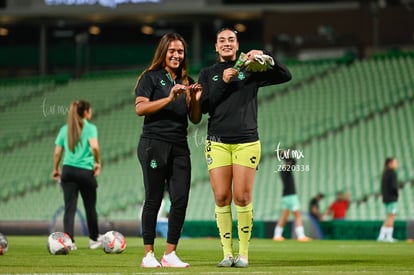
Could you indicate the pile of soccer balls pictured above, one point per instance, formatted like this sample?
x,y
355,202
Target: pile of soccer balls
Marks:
x,y
59,243
4,244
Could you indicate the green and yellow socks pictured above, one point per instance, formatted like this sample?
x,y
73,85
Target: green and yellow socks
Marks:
x,y
244,228
224,222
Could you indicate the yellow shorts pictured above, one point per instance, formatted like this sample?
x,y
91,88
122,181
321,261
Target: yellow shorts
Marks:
x,y
222,154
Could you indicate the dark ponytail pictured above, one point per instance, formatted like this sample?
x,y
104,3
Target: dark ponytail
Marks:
x,y
75,121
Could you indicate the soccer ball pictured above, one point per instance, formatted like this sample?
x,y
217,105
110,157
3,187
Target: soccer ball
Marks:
x,y
113,242
4,244
59,243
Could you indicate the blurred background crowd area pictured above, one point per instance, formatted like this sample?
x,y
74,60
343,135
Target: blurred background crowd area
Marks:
x,y
43,37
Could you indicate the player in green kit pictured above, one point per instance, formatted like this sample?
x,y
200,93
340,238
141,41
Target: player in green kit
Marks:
x,y
77,142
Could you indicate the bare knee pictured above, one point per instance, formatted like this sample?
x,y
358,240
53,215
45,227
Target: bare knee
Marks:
x,y
223,199
221,182
242,199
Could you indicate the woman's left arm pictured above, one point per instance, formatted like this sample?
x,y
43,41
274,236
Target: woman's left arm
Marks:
x,y
93,142
278,73
193,102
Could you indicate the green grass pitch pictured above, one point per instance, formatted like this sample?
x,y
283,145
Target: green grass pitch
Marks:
x,y
28,255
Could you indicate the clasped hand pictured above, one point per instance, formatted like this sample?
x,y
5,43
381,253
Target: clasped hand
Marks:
x,y
176,91
194,90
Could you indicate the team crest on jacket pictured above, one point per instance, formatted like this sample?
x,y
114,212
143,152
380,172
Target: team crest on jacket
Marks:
x,y
162,82
153,164
241,76
215,78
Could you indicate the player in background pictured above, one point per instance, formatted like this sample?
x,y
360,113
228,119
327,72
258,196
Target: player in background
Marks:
x,y
232,148
290,203
166,99
77,142
389,191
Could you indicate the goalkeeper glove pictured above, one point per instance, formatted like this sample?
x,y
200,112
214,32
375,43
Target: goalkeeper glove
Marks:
x,y
261,63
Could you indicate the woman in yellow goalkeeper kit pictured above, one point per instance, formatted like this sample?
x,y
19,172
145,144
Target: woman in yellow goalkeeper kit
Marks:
x,y
233,148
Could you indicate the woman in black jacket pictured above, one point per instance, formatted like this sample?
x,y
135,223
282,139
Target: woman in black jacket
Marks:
x,y
167,97
389,190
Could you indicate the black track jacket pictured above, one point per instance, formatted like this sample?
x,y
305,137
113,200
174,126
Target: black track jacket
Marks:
x,y
389,186
232,107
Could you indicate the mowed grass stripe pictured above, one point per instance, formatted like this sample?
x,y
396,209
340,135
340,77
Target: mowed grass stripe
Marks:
x,y
28,255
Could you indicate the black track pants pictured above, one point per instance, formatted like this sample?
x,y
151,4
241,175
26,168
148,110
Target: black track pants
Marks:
x,y
164,166
74,181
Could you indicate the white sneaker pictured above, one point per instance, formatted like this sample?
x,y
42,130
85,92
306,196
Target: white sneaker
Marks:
x,y
172,260
228,261
150,261
95,244
241,261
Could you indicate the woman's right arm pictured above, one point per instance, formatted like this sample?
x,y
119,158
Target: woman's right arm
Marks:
x,y
144,107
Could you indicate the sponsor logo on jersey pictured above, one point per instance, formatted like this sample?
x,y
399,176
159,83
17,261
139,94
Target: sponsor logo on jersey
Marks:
x,y
253,160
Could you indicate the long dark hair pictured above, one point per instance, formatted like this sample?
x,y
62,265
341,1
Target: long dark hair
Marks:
x,y
158,60
75,121
387,163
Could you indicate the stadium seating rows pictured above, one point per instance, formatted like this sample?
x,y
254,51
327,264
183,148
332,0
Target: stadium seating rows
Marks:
x,y
16,90
345,139
301,73
345,119
48,111
27,162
